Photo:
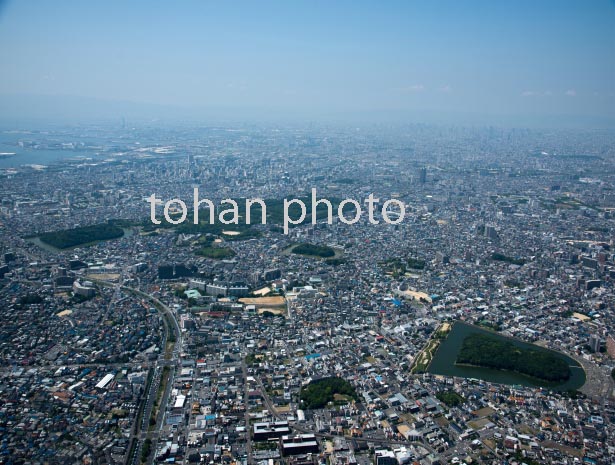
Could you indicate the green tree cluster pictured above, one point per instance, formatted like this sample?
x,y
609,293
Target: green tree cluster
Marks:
x,y
485,351
398,267
31,298
322,251
84,235
145,451
216,253
320,392
450,398
416,264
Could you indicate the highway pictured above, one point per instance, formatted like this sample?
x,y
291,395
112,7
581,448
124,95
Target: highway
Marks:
x,y
144,431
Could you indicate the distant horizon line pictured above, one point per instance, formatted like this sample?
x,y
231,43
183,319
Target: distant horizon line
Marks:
x,y
36,110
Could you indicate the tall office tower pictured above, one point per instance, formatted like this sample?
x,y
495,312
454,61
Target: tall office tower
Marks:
x,y
423,175
491,232
594,343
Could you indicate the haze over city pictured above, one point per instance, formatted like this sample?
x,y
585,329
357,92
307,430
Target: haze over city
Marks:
x,y
514,62
307,233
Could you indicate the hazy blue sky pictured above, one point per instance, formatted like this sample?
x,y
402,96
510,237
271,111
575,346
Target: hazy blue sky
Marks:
x,y
490,57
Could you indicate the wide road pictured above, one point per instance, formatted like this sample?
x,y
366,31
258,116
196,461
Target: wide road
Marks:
x,y
144,432
246,391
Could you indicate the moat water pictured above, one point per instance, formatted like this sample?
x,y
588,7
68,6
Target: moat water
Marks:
x,y
444,359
